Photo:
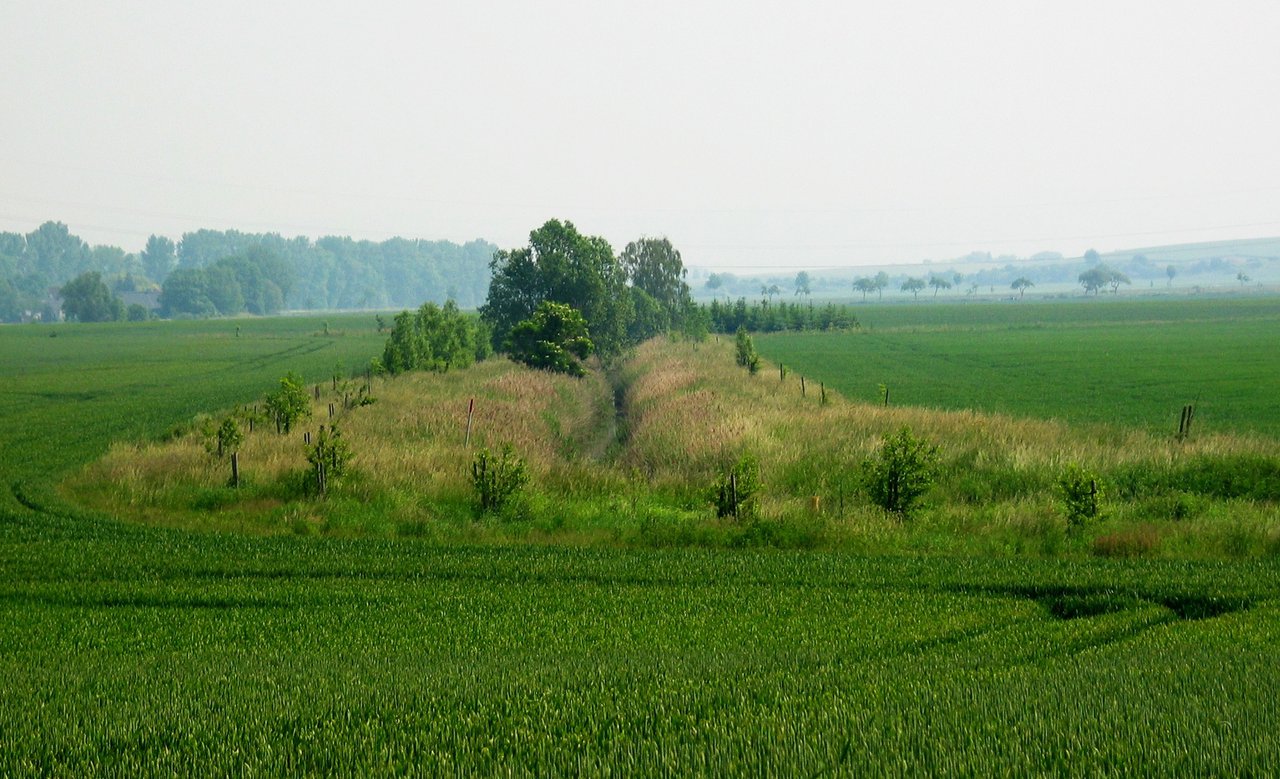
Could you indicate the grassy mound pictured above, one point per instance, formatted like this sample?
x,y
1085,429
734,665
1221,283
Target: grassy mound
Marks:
x,y
633,457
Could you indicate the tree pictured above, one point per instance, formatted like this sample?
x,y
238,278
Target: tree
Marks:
x,y
938,282
1170,272
554,338
1241,277
1115,278
653,266
159,258
1092,280
434,339
900,473
745,349
87,299
289,403
184,293
864,285
1092,257
803,284
561,265
913,285
881,281
1021,284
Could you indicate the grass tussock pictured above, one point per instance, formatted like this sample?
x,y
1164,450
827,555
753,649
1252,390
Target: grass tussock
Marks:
x,y
643,473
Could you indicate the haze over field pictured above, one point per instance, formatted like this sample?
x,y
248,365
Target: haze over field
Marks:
x,y
755,135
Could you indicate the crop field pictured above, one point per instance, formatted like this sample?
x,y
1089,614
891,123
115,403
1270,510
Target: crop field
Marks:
x,y
563,644
1129,363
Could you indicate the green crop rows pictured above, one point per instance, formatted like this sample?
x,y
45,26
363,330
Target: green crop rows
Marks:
x,y
128,650
1127,363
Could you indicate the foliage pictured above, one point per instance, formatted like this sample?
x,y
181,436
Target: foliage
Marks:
x,y
87,299
560,265
654,267
913,285
1021,285
433,339
289,403
1080,493
759,317
736,493
1099,276
554,338
745,351
329,456
229,436
497,480
900,473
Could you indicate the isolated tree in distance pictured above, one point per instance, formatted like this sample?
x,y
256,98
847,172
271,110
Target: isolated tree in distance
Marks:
x,y
87,299
938,282
900,472
555,339
864,285
1170,272
1093,280
1115,278
913,285
1243,278
880,281
803,284
1021,284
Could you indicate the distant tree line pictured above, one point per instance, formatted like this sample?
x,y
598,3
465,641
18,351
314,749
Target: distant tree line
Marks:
x,y
228,272
764,317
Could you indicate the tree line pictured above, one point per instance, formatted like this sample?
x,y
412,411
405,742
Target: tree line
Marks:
x,y
226,272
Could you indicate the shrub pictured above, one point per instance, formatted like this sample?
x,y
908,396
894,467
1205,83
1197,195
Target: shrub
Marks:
x,y
497,480
1081,494
289,403
736,493
900,473
329,456
229,436
555,339
746,351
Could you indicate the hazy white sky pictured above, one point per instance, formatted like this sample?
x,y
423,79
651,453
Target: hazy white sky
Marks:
x,y
798,134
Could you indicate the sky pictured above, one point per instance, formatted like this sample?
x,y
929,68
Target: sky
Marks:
x,y
755,135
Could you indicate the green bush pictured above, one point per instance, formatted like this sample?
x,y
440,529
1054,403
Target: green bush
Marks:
x,y
497,480
900,473
746,351
1081,495
736,492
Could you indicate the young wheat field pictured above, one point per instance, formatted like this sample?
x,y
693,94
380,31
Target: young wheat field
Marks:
x,y
605,620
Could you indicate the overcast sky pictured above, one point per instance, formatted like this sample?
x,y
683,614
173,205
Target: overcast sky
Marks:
x,y
753,134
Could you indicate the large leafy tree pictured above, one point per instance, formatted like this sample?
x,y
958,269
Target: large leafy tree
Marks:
x,y
563,266
654,267
87,299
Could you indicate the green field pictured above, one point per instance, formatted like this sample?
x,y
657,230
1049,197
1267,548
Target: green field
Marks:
x,y
1131,363
129,650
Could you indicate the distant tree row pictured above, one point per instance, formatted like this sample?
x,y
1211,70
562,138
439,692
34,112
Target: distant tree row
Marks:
x,y
765,317
331,272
